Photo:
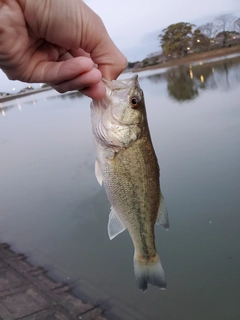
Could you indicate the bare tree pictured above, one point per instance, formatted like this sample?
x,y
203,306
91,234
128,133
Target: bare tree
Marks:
x,y
224,23
154,54
209,30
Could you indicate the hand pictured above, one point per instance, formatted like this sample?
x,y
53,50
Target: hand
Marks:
x,y
63,43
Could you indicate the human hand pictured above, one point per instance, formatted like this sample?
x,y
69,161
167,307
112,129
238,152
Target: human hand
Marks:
x,y
58,42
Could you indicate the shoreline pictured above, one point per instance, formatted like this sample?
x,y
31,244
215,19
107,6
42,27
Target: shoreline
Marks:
x,y
23,94
193,57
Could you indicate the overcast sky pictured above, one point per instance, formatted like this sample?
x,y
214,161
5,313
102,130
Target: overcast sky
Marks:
x,y
135,24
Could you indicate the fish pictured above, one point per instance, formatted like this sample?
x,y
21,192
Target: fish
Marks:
x,y
127,167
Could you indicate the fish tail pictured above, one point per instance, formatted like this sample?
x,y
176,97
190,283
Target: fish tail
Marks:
x,y
149,272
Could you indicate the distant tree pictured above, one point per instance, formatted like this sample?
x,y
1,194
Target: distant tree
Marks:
x,y
154,54
209,30
227,35
145,62
224,23
200,41
132,64
175,38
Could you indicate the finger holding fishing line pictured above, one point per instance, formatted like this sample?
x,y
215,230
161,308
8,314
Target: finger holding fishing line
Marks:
x,y
86,75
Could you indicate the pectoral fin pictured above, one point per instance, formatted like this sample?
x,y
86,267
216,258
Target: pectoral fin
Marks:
x,y
162,217
115,225
98,173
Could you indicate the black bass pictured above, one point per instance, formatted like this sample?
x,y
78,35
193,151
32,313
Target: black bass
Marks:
x,y
127,167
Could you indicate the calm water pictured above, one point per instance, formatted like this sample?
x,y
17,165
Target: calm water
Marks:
x,y
54,211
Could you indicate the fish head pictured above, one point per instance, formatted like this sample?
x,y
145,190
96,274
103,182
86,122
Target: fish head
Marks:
x,y
118,119
126,98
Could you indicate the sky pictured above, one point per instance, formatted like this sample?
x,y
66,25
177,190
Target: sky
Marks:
x,y
134,25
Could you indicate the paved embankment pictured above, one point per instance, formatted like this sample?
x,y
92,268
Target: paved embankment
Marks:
x,y
27,293
194,57
23,94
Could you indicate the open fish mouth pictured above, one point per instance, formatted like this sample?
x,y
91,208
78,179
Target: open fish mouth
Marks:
x,y
121,84
118,90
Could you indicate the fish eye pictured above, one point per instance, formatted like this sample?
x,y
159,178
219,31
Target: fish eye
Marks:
x,y
135,101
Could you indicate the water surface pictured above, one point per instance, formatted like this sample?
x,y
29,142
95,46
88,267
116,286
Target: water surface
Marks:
x,y
54,211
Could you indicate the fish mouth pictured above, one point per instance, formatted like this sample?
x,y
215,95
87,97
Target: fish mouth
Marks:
x,y
121,84
122,88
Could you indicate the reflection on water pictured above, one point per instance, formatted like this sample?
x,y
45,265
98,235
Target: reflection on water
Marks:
x,y
54,211
186,82
68,95
180,85
183,83
72,95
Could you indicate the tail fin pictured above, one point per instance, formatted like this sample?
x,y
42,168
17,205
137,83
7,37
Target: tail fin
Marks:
x,y
152,273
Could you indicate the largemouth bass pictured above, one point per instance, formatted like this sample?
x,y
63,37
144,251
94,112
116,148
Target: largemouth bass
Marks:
x,y
127,167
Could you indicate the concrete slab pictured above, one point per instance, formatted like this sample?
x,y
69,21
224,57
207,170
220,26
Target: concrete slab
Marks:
x,y
3,264
49,314
22,301
95,314
10,279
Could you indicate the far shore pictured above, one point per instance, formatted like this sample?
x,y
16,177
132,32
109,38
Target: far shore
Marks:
x,y
194,57
23,94
191,58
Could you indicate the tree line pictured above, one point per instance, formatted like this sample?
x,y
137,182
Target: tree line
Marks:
x,y
177,39
182,38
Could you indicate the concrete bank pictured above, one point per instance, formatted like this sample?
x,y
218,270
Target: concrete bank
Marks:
x,y
195,57
27,293
23,94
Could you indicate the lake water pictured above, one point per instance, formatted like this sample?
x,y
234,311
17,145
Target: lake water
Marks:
x,y
53,210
